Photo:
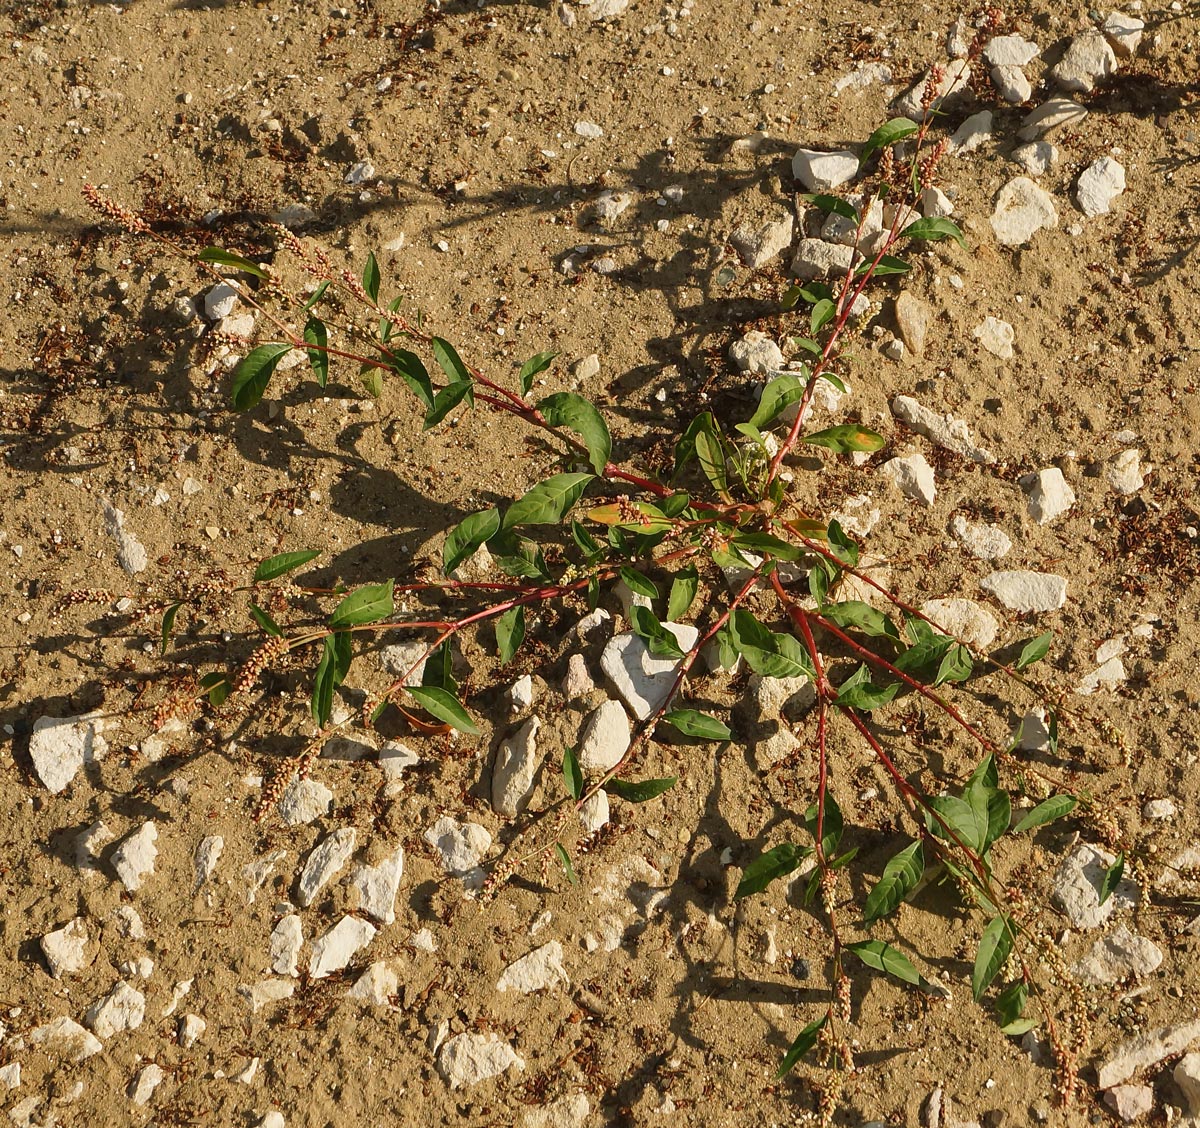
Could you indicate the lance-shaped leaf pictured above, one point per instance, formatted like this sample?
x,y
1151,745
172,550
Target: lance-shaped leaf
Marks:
x,y
887,134
168,625
218,257
1034,651
779,861
994,947
443,705
510,633
1046,811
253,374
934,228
566,409
572,773
639,791
779,394
548,502
370,277
449,361
900,877
535,364
368,604
805,1040
466,537
690,722
411,369
275,566
265,621
847,437
683,591
331,672
883,957
444,402
660,641
316,336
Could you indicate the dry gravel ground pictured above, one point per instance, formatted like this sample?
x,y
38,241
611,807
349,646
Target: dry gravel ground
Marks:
x,y
445,138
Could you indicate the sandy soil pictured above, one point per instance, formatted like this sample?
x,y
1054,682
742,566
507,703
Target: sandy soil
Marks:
x,y
209,119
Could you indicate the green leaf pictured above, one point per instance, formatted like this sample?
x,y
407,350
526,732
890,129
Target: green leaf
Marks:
x,y
1112,877
999,816
265,621
710,450
332,670
811,346
887,264
566,409
317,295
548,502
217,688
859,692
768,545
805,1040
572,773
1020,1026
638,583
779,861
967,823
253,374
219,257
439,669
986,774
685,446
510,633
790,299
275,566
779,394
674,505
822,313
466,537
443,705
641,790
900,877
168,625
518,556
887,134
1047,811
956,666
933,229
842,546
831,829
368,604
834,204
660,641
449,361
1010,1003
770,655
846,437
683,591
994,947
883,957
371,380
317,337
411,369
370,277
690,722
444,402
564,860
1034,651
539,362
853,614
586,543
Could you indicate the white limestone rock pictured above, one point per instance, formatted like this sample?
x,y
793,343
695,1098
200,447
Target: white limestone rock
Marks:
x,y
1130,1102
972,133
604,738
594,813
816,258
1037,157
376,887
964,619
133,860
207,855
996,337
1022,210
1124,473
66,1038
1026,591
1108,675
1050,116
1142,1051
220,301
1088,60
120,1010
304,801
1011,84
984,542
935,204
643,681
467,1059
287,938
515,768
1048,495
10,1075
758,246
460,846
378,985
1118,957
1159,809
822,171
395,759
956,78
945,430
578,682
913,476
756,353
68,950
570,1111
847,233
1010,50
267,992
1076,889
777,699
326,859
1124,33
88,847
912,319
540,970
191,1030
1098,185
1186,1075
610,204
60,746
405,659
337,947
145,1081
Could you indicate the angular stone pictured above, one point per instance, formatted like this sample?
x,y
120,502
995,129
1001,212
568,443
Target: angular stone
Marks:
x,y
1011,84
567,1112
757,353
1076,890
815,258
578,682
758,246
1108,675
303,801
377,886
1026,591
405,660
1124,33
984,542
1130,1102
912,319
945,430
377,985
1099,184
133,860
287,938
1049,116
955,80
610,204
935,203
1022,209
1010,50
822,171
780,699
913,477
207,855
10,1075
191,1030
460,846
1141,1052
972,133
326,859
1186,1075
515,768
467,1059
1037,158
337,947
594,813
68,949
965,620
1047,494
604,738
539,970
267,992
395,759
1088,60
65,1037
145,1081
996,336
1158,809
1124,473
1117,957
643,681
846,232
60,746
120,1010
88,846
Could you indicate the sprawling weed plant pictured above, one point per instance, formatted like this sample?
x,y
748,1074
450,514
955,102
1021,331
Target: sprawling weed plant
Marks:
x,y
726,508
